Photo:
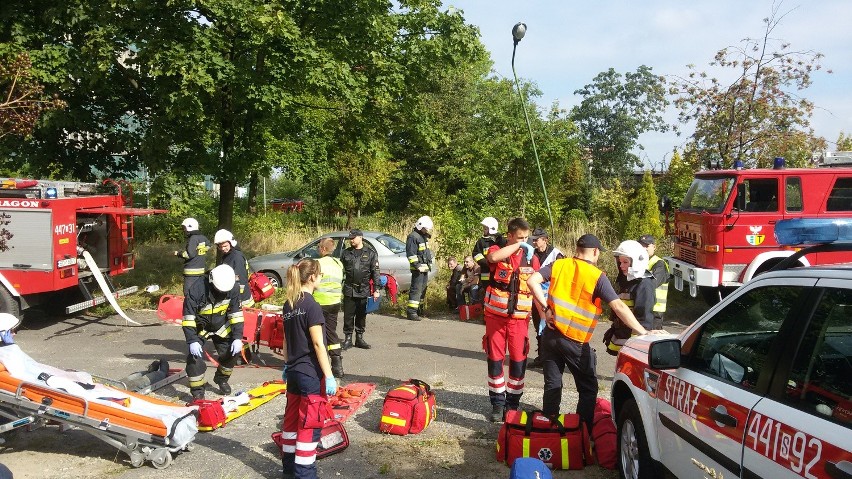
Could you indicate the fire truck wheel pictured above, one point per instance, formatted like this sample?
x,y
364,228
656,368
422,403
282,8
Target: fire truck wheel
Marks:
x,y
634,459
8,303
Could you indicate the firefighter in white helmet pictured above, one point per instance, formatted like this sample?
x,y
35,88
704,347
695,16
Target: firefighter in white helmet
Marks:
x,y
211,309
234,257
420,263
8,322
490,237
194,254
635,286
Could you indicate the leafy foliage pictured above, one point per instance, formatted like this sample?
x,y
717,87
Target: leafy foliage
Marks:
x,y
643,213
22,98
677,179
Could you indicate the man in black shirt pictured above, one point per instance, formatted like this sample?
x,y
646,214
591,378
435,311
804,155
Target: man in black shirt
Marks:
x,y
360,264
455,278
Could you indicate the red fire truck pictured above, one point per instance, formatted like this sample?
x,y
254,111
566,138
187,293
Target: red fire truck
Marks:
x,y
50,234
724,230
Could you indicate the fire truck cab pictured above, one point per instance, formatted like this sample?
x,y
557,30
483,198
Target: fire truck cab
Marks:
x,y
60,236
724,230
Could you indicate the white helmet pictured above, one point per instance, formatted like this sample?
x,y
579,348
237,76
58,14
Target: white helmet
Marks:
x,y
638,255
223,278
424,222
222,236
8,321
491,223
190,224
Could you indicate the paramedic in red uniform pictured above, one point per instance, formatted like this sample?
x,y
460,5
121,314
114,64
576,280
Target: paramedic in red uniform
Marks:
x,y
307,371
507,306
572,310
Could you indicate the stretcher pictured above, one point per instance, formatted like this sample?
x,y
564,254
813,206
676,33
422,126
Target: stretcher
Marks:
x,y
144,428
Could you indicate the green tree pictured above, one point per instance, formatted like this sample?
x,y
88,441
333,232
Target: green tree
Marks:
x,y
844,142
678,177
761,113
22,98
643,213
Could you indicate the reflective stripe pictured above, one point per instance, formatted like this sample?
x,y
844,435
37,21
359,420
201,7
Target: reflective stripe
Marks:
x,y
412,259
188,323
193,271
421,246
565,459
575,309
332,347
571,292
525,452
479,257
661,293
393,421
330,289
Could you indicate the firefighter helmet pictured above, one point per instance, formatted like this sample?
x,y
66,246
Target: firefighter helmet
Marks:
x,y
638,256
8,321
190,224
491,223
223,278
223,236
424,222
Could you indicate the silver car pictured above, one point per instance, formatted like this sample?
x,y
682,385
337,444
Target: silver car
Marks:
x,y
391,253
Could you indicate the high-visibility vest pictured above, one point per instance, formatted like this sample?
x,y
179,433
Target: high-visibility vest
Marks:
x,y
330,288
572,286
662,291
508,294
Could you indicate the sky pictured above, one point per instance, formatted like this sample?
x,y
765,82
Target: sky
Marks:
x,y
568,42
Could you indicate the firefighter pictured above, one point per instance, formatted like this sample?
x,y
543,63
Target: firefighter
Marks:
x,y
635,286
328,294
489,238
234,257
194,254
572,310
211,309
546,254
507,306
420,263
8,323
660,269
360,265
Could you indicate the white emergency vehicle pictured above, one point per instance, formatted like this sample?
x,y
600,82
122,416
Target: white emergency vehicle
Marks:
x,y
760,386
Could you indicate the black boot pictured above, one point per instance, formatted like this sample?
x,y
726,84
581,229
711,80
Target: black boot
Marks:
x,y
337,366
347,342
411,314
359,341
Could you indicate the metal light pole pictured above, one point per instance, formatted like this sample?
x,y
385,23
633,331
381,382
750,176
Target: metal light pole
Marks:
x,y
518,32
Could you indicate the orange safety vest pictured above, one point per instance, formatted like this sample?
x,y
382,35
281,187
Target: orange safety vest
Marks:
x,y
572,285
508,294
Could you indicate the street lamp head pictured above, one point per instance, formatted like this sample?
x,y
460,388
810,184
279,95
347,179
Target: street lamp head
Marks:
x,y
518,31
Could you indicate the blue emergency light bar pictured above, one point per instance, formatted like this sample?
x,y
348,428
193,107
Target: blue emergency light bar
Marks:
x,y
813,231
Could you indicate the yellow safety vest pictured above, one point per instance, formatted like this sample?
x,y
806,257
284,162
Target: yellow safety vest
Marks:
x,y
330,289
572,285
662,291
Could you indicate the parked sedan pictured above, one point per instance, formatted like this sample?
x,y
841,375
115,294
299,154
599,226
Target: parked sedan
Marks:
x,y
390,250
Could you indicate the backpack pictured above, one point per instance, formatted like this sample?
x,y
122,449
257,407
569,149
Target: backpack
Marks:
x,y
260,286
210,413
529,468
408,408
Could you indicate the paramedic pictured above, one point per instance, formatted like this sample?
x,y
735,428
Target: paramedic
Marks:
x,y
546,254
234,257
490,237
507,306
307,371
360,265
660,269
212,309
420,263
571,310
635,286
328,294
194,254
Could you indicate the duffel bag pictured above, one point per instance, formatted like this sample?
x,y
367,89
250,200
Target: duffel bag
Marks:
x,y
260,286
561,442
604,434
408,408
210,413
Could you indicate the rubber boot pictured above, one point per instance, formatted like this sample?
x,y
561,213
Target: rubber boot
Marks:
x,y
411,314
421,310
347,342
359,341
337,366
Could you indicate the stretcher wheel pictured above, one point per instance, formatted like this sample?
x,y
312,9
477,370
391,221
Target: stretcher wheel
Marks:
x,y
137,458
160,458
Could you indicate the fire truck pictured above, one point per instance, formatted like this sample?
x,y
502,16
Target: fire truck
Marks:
x,y
724,230
61,237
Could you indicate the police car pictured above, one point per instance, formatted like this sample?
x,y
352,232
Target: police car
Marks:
x,y
760,386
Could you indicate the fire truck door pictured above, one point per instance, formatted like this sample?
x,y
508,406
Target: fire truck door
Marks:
x,y
26,239
753,230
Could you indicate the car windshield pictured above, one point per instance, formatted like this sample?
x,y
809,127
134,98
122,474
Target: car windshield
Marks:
x,y
708,194
392,243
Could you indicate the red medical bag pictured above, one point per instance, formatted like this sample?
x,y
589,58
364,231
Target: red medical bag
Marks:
x,y
333,439
210,413
408,408
604,435
470,311
561,443
260,286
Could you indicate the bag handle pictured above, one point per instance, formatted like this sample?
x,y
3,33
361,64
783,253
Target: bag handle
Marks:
x,y
421,384
553,422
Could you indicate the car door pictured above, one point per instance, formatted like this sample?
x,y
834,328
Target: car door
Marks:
x,y
703,406
803,428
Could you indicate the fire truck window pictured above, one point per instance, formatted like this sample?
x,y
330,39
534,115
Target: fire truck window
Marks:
x,y
761,194
733,344
819,382
840,198
793,197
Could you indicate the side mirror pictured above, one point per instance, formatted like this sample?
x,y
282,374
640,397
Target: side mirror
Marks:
x,y
664,354
740,200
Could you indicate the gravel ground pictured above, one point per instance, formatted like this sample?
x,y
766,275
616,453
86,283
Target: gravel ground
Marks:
x,y
442,351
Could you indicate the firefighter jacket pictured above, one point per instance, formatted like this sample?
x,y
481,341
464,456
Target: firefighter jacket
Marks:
x,y
660,269
330,289
480,249
208,311
359,267
571,297
508,294
417,250
237,260
638,295
195,254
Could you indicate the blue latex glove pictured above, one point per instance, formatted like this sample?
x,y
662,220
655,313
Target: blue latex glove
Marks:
x,y
541,325
6,337
195,349
330,386
284,373
529,249
236,347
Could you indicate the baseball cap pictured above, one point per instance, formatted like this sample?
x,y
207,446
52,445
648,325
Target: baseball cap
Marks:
x,y
355,232
646,240
538,233
589,241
